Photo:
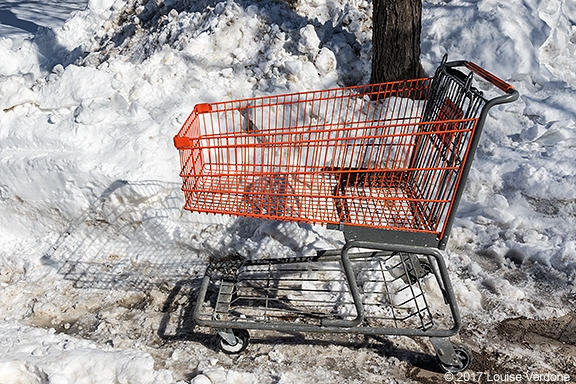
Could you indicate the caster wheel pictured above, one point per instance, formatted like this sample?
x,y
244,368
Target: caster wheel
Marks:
x,y
242,340
464,354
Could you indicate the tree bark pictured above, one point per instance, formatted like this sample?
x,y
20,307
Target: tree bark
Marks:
x,y
396,40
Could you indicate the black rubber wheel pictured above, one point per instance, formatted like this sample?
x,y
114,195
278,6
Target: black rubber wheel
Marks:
x,y
425,264
242,341
464,354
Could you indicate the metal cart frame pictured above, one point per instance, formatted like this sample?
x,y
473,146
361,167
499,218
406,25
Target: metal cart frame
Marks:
x,y
339,158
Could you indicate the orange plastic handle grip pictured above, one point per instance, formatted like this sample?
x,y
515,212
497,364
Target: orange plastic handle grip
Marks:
x,y
494,80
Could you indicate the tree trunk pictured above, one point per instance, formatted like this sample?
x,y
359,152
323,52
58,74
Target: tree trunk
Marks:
x,y
396,40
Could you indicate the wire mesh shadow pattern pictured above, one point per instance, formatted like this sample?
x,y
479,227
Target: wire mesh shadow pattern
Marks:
x,y
130,239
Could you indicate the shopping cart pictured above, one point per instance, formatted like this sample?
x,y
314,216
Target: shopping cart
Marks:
x,y
385,164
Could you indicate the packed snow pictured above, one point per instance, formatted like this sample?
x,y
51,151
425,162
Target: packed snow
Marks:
x,y
99,261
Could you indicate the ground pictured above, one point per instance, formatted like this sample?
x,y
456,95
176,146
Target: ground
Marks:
x,y
158,321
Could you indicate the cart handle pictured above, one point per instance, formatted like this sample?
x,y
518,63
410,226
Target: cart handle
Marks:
x,y
493,79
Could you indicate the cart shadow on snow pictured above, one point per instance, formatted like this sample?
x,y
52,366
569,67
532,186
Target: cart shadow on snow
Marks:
x,y
127,240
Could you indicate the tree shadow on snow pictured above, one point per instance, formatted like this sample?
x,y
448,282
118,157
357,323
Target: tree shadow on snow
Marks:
x,y
7,17
50,51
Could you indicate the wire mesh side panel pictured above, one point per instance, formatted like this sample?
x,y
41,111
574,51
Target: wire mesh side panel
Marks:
x,y
396,293
281,157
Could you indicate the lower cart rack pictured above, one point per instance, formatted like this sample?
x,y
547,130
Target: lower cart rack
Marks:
x,y
309,292
385,164
387,290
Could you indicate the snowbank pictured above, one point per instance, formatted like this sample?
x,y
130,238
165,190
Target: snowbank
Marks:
x,y
90,175
33,355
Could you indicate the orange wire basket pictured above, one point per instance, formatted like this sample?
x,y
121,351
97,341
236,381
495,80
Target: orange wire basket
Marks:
x,y
375,156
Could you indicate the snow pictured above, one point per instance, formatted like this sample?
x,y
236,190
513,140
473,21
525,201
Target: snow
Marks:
x,y
59,358
95,244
